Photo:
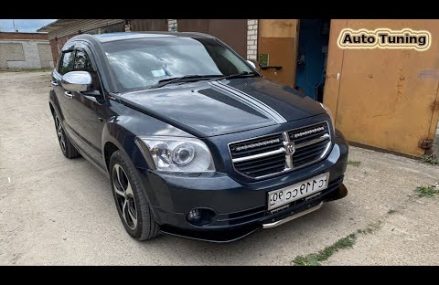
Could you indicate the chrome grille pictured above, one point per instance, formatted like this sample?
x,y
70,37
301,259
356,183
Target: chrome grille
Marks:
x,y
260,156
273,154
310,144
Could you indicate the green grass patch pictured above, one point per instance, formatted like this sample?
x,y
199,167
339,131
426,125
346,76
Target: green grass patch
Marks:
x,y
315,259
430,159
355,163
427,191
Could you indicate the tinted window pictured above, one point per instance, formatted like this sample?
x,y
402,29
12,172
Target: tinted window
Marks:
x,y
140,63
66,63
82,61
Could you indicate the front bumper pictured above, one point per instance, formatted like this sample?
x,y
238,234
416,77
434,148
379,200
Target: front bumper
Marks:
x,y
240,207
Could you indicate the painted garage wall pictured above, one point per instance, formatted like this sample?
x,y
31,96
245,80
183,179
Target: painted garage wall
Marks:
x,y
278,40
24,51
25,54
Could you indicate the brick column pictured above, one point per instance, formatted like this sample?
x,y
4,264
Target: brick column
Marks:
x,y
252,39
172,25
127,26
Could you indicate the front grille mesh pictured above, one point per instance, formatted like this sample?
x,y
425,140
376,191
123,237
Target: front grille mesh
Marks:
x,y
306,151
269,155
256,165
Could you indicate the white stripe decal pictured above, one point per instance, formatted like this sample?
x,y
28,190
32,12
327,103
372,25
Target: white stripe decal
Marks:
x,y
244,100
250,101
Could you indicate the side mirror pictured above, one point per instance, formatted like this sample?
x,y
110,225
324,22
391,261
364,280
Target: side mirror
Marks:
x,y
251,63
77,81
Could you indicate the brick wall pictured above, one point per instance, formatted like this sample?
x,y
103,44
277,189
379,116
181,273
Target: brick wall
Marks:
x,y
56,45
22,36
252,39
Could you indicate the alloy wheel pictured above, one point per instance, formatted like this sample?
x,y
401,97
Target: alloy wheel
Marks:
x,y
124,196
60,134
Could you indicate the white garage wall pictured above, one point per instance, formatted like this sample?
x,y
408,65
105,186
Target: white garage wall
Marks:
x,y
20,54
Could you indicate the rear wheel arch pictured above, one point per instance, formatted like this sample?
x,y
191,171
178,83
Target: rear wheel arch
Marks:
x,y
52,109
54,105
67,147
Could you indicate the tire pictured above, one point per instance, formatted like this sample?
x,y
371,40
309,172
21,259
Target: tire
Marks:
x,y
66,146
130,198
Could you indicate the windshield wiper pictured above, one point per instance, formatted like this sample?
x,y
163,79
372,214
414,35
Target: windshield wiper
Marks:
x,y
186,78
241,74
191,78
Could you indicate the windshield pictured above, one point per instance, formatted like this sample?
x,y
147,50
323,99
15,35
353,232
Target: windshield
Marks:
x,y
142,63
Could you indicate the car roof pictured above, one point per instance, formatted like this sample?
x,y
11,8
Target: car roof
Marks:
x,y
109,37
98,39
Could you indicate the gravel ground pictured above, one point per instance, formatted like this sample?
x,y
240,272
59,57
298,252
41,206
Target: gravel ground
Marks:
x,y
57,211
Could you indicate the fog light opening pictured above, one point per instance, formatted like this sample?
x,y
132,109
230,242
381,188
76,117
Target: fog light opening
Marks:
x,y
200,216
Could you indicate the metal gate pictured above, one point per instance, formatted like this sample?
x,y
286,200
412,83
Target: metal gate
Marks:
x,y
385,98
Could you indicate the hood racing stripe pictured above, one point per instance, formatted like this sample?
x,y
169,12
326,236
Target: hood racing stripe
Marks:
x,y
249,101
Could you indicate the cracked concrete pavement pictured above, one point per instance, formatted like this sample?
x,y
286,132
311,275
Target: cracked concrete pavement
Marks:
x,y
59,211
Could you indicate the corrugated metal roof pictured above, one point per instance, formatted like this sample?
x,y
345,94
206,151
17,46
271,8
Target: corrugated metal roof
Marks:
x,y
65,27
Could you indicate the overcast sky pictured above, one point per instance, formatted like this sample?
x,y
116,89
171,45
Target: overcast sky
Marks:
x,y
22,25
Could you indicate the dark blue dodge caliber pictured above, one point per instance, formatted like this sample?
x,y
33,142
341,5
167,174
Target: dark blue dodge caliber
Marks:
x,y
195,141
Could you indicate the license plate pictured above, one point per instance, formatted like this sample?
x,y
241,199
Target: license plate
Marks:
x,y
281,197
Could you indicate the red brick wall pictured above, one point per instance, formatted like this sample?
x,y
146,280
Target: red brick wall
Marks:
x,y
22,36
56,45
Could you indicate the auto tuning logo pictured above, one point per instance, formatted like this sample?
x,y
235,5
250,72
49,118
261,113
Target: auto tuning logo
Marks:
x,y
384,38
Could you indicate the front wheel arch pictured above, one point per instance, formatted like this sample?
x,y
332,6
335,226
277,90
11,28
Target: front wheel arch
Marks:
x,y
117,138
109,149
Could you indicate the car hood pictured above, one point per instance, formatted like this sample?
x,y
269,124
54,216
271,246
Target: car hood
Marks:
x,y
215,107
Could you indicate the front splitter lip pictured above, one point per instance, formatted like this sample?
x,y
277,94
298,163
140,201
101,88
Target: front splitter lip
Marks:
x,y
250,231
211,240
240,233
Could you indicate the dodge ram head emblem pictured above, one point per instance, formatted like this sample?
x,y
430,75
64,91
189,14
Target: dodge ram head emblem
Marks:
x,y
291,149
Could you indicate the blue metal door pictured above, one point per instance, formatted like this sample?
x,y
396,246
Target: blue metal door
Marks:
x,y
311,58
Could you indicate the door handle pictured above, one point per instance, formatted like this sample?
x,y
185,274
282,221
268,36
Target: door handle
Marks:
x,y
68,94
54,83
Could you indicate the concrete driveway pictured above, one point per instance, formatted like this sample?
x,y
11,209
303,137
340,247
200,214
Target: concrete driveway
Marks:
x,y
59,211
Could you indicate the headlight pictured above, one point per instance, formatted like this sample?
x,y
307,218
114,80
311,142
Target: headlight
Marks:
x,y
330,115
175,154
